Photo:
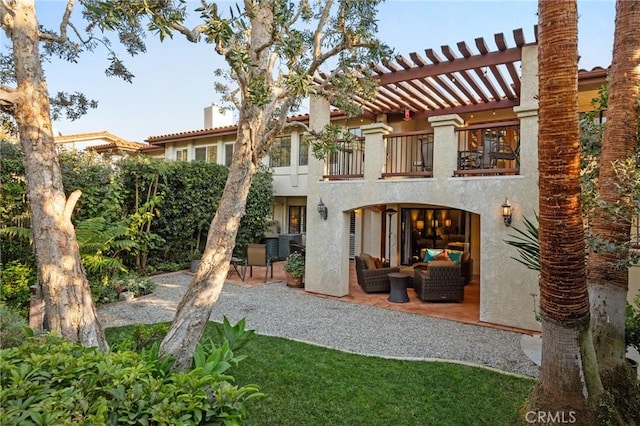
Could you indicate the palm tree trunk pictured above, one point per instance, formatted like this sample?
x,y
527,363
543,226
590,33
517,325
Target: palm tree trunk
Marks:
x,y
68,304
608,283
569,381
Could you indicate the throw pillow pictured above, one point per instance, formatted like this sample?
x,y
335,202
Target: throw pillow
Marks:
x,y
431,254
377,262
368,261
455,255
442,256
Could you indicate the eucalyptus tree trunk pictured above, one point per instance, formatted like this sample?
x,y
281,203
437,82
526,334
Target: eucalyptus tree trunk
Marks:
x,y
68,305
204,289
608,281
569,381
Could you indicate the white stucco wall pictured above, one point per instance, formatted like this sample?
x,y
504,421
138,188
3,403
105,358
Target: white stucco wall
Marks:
x,y
506,287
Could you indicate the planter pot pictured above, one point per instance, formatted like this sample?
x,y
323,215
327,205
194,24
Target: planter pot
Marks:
x,y
194,265
293,281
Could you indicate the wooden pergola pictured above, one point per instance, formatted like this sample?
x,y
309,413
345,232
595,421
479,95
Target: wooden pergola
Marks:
x,y
454,82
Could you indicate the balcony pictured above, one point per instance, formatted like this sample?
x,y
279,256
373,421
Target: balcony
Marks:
x,y
483,150
489,149
409,155
347,162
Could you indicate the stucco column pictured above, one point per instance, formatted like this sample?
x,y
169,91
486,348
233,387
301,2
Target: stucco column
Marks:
x,y
445,144
319,117
327,248
375,149
527,112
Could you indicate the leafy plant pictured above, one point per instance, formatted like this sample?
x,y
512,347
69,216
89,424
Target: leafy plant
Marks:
x,y
295,265
237,335
142,336
17,280
12,324
527,243
101,245
67,381
632,323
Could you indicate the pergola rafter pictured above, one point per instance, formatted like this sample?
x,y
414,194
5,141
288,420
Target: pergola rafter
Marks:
x,y
462,81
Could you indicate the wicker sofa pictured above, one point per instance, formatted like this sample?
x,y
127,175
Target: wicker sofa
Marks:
x,y
442,281
466,265
373,280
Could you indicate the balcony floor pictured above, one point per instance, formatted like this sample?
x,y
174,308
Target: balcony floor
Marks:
x,y
466,312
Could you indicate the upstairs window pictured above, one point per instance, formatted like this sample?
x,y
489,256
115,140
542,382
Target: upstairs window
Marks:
x,y
280,153
207,154
182,154
228,154
303,151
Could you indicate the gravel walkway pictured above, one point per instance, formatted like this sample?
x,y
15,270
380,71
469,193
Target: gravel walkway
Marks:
x,y
276,310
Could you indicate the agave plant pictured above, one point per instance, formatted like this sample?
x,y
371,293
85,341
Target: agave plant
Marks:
x,y
527,243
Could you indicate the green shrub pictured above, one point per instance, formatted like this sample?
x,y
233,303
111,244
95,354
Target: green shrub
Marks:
x,y
12,325
632,323
17,280
68,383
107,289
143,336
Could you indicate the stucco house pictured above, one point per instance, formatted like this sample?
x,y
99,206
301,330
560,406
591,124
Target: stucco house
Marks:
x,y
449,139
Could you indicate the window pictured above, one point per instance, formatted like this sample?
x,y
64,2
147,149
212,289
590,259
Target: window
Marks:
x,y
297,219
303,151
181,154
356,131
228,154
280,153
207,153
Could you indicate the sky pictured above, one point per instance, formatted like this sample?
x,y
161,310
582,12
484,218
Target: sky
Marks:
x,y
174,79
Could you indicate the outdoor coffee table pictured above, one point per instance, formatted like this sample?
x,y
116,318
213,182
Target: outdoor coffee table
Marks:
x,y
398,287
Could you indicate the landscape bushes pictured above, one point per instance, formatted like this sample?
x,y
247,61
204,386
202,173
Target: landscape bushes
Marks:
x,y
135,214
71,384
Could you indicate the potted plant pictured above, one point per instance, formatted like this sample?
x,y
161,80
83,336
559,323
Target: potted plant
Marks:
x,y
294,269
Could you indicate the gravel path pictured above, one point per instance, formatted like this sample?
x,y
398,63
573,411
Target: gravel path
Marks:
x,y
276,310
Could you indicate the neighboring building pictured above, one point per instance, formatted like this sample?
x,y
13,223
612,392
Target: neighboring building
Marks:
x,y
447,141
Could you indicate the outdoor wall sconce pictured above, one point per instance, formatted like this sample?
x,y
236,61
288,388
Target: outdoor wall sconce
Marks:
x,y
506,212
323,210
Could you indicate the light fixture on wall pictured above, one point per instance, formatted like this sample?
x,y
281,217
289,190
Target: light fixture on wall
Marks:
x,y
407,114
506,212
420,226
323,210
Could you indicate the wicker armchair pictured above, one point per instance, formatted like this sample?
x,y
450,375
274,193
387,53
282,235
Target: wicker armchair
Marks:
x,y
373,280
441,282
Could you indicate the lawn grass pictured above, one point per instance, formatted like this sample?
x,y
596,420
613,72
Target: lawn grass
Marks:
x,y
311,385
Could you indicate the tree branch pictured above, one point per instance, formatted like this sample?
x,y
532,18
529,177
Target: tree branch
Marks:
x,y
192,35
9,96
71,204
317,37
